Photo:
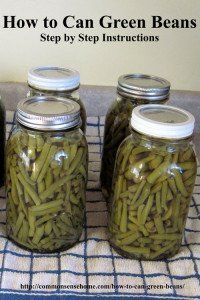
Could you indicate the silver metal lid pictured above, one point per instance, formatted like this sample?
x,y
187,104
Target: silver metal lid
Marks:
x,y
52,78
48,113
141,86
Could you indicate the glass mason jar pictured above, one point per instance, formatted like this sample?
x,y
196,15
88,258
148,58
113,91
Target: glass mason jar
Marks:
x,y
132,90
2,141
46,175
153,182
58,82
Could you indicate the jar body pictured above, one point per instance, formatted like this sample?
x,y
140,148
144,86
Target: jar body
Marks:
x,y
152,187
46,176
2,141
73,95
116,130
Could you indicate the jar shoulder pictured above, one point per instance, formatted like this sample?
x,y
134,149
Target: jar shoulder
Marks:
x,y
21,135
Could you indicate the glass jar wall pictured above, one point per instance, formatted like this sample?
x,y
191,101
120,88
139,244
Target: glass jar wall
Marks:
x,y
46,175
133,90
2,141
58,82
153,182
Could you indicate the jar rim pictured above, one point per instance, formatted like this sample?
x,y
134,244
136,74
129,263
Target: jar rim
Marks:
x,y
53,78
144,86
162,121
48,113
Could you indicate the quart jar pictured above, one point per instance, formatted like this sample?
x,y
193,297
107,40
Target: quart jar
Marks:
x,y
2,141
59,82
153,183
132,90
46,175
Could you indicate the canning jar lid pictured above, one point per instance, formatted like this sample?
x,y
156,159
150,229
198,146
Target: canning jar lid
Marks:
x,y
141,86
53,78
48,113
162,121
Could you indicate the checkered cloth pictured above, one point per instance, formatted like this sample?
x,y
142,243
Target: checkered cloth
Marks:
x,y
92,263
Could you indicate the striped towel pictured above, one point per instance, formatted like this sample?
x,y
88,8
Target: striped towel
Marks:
x,y
92,267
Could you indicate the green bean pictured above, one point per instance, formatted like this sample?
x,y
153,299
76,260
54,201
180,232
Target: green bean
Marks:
x,y
119,212
25,230
41,187
138,192
146,209
172,185
48,227
133,220
50,156
125,159
43,220
129,239
166,236
156,188
31,221
119,187
175,158
164,195
179,183
76,161
187,165
144,195
149,226
12,208
19,223
25,174
123,221
162,168
39,163
159,224
31,147
143,230
56,230
190,181
66,219
132,227
131,249
74,200
188,174
41,213
175,210
155,162
48,178
39,142
38,234
168,214
29,190
45,206
139,214
162,250
48,192
15,181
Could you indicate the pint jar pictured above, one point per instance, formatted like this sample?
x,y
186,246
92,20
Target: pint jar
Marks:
x,y
59,82
132,90
153,183
46,175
